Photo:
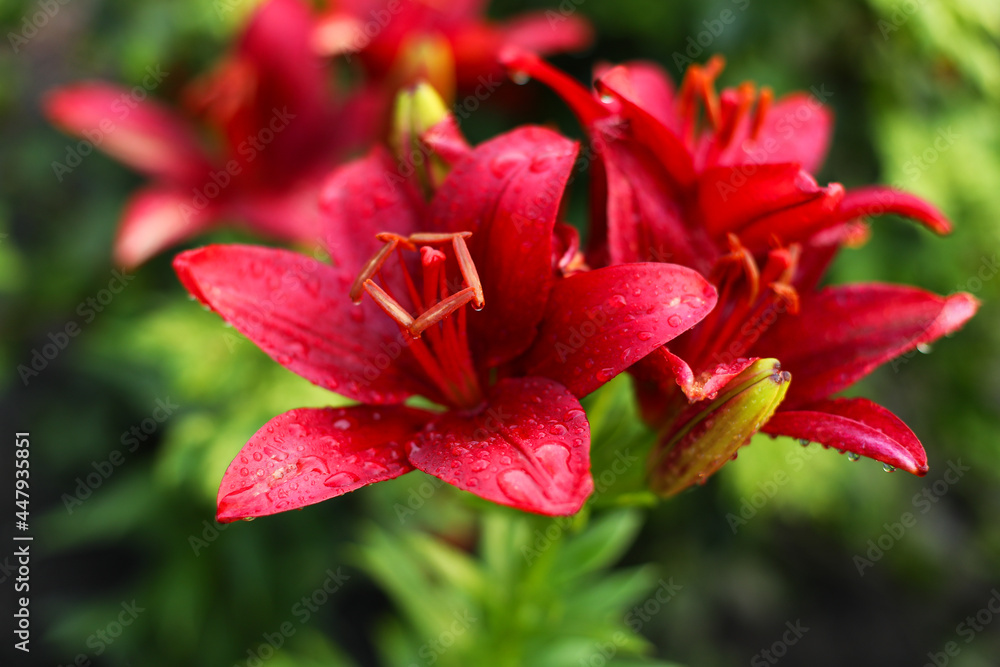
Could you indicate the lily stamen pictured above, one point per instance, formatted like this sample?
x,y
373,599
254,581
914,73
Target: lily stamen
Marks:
x,y
445,355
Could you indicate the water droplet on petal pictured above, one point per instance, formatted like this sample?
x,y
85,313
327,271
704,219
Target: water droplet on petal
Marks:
x,y
888,468
853,456
342,424
257,456
519,77
924,348
644,335
803,442
674,320
607,99
502,164
341,479
517,485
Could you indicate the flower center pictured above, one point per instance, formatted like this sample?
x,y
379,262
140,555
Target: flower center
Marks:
x,y
750,301
724,115
439,340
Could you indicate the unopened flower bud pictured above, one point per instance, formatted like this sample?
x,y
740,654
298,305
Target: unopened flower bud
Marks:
x,y
417,110
711,437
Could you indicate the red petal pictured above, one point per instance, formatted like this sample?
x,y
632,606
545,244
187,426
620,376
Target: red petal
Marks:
x,y
797,129
447,141
308,455
843,333
154,220
598,323
297,310
644,220
143,134
528,448
669,368
649,87
288,76
646,128
289,214
547,32
879,200
755,201
360,200
508,193
581,101
854,425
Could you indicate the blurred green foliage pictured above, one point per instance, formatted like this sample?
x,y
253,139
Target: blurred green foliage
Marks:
x,y
901,74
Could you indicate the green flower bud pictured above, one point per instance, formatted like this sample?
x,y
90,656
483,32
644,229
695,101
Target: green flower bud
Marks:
x,y
712,436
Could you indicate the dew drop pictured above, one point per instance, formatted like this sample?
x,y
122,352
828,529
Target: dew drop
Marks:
x,y
519,77
888,468
674,320
605,374
924,348
342,424
249,518
803,442
607,99
341,479
541,163
479,466
244,472
853,456
502,164
517,485
644,335
257,456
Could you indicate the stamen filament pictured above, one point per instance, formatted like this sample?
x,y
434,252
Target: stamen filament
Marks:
x,y
388,304
469,272
371,267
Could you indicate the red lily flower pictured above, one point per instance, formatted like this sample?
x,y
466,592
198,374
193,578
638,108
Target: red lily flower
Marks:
x,y
722,199
508,375
280,135
383,33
